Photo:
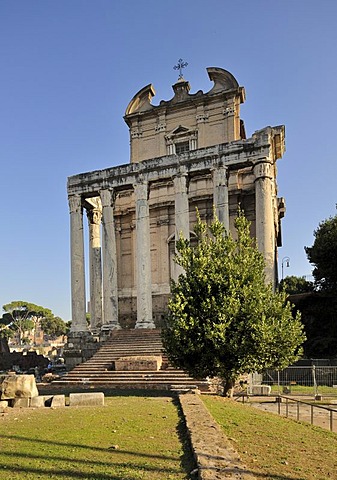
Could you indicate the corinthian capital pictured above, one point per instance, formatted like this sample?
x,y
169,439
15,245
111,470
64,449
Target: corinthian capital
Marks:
x,y
75,203
107,197
263,169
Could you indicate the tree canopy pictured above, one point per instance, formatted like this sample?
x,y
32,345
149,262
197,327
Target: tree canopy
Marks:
x,y
323,255
294,285
223,319
21,317
53,326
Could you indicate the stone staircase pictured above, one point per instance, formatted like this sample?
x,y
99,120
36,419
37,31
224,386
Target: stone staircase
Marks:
x,y
99,371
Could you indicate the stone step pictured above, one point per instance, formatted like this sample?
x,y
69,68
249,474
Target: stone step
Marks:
x,y
121,343
135,385
127,375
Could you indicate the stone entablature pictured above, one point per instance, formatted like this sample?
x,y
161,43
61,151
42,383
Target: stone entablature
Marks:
x,y
235,155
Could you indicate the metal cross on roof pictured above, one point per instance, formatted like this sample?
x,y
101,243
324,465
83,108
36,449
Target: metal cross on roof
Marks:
x,y
181,64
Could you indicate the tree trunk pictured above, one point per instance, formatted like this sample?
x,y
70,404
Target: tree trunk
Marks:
x,y
228,387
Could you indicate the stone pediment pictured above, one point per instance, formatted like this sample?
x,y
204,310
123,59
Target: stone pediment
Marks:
x,y
179,129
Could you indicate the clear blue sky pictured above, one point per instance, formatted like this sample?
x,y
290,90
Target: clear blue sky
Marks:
x,y
69,69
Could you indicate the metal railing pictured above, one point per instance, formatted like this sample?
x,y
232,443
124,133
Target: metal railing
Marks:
x,y
306,411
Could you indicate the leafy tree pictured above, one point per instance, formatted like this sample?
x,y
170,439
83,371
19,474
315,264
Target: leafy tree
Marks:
x,y
223,319
293,285
53,326
22,317
323,255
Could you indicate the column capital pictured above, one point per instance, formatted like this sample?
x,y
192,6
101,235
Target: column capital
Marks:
x,y
220,175
94,216
141,189
263,169
182,171
181,182
107,197
75,203
94,210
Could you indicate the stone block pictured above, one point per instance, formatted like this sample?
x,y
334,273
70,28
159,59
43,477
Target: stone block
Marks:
x,y
261,390
58,401
140,363
18,386
86,399
3,405
23,402
37,402
54,401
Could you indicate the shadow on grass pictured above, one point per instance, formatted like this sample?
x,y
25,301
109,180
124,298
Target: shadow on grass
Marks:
x,y
50,465
187,460
85,447
75,473
69,474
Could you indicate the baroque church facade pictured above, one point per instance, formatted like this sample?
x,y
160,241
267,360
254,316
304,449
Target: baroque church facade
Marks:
x,y
188,153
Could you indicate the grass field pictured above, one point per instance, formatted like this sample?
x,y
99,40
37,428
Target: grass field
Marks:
x,y
143,437
276,448
129,438
304,390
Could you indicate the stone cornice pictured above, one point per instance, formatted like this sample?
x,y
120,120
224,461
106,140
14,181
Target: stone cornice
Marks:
x,y
234,155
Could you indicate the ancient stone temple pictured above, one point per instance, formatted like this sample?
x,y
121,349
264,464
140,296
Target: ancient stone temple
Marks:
x,y
187,153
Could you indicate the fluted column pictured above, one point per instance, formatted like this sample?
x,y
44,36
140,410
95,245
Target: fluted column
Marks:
x,y
182,213
265,231
110,285
143,255
94,218
78,301
220,195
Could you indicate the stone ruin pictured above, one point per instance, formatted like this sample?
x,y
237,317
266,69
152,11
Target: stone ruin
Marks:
x,y
19,391
23,361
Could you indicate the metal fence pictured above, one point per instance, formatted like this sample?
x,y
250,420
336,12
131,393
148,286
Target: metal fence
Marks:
x,y
323,416
312,379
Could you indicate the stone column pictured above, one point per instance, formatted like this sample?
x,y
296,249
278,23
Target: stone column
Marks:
x,y
220,195
143,256
265,231
78,300
94,214
110,285
182,213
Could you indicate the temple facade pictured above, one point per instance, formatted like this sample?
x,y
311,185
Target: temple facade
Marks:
x,y
188,153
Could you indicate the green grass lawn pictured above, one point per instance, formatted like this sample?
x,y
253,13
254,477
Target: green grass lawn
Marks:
x,y
304,390
275,448
129,438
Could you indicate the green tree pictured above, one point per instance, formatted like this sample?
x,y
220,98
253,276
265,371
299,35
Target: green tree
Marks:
x,y
53,326
223,319
323,255
294,285
21,317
